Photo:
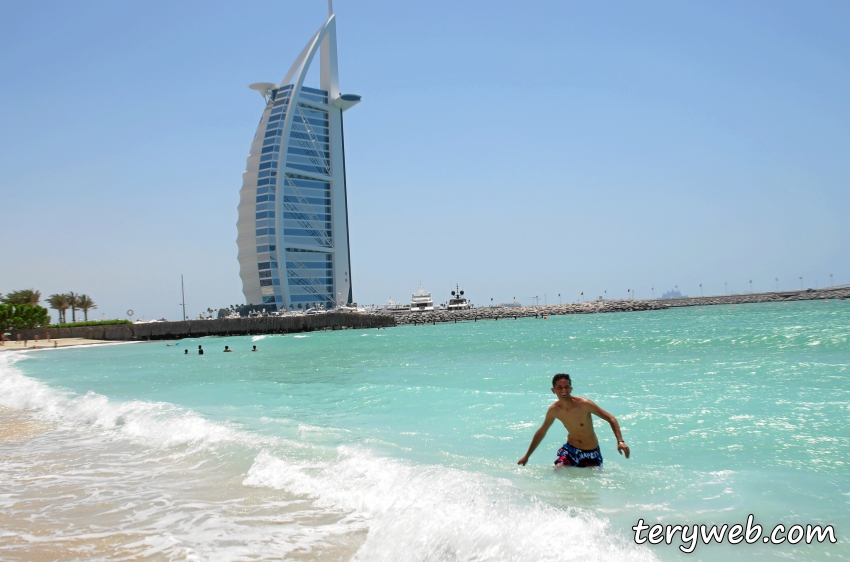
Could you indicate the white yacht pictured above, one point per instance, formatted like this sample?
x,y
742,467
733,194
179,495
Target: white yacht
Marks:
x,y
458,302
394,307
422,301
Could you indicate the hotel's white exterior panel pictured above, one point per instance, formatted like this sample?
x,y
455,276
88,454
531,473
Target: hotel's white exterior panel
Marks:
x,y
293,212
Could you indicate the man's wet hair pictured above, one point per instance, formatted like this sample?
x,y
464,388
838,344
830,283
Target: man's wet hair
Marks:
x,y
561,376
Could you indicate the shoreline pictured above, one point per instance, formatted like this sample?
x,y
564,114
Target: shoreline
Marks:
x,y
53,343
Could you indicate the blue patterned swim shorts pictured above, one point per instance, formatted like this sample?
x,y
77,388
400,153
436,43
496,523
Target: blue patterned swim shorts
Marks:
x,y
573,456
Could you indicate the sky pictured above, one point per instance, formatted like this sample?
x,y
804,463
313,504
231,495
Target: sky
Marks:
x,y
517,149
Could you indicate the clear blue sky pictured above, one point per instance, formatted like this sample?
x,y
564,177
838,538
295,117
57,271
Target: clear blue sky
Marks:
x,y
517,148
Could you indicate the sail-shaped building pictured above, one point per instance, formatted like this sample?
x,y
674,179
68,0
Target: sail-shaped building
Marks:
x,y
293,209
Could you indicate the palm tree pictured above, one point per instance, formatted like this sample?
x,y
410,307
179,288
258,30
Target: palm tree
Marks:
x,y
26,296
59,303
74,303
85,303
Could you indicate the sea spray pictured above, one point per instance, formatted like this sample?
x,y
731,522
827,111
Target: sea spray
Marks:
x,y
439,513
153,424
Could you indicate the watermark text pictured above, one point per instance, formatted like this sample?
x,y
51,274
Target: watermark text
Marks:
x,y
691,535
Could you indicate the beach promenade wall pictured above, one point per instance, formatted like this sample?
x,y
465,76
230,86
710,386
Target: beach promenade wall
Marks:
x,y
219,327
596,307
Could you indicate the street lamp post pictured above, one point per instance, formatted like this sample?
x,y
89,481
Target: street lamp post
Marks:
x,y
725,288
751,286
801,282
700,289
559,299
653,293
830,280
777,284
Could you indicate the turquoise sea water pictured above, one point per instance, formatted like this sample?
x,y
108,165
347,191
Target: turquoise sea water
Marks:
x,y
402,443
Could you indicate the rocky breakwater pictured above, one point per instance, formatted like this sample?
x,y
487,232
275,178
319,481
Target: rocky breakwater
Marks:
x,y
505,313
842,292
512,313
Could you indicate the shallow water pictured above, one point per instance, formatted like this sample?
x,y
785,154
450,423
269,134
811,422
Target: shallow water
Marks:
x,y
402,443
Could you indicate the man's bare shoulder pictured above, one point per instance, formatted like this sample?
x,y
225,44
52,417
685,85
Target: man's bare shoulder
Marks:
x,y
583,402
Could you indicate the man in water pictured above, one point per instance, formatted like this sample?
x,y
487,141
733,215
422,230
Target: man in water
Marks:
x,y
227,349
200,350
582,446
255,348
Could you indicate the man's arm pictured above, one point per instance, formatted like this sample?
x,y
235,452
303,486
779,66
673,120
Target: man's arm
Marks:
x,y
539,435
615,427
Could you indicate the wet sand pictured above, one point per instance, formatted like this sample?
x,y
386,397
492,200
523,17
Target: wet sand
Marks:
x,y
53,343
67,495
17,426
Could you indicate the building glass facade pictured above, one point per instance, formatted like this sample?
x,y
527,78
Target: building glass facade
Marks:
x,y
293,218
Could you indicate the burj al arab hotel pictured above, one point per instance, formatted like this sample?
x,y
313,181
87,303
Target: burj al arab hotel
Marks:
x,y
293,210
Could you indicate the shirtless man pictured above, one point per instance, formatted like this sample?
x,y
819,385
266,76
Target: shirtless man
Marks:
x,y
582,446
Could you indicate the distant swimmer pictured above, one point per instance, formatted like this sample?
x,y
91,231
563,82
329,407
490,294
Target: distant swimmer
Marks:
x,y
200,350
255,348
227,349
185,352
582,446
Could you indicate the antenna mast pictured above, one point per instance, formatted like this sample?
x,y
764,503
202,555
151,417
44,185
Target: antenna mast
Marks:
x,y
183,291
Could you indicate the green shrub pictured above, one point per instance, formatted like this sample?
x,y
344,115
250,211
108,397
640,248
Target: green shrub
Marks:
x,y
90,323
23,316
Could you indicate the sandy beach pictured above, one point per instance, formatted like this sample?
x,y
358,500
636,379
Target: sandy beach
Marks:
x,y
49,344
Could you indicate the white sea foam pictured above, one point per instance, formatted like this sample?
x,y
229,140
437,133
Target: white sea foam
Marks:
x,y
258,338
439,513
405,511
157,424
149,478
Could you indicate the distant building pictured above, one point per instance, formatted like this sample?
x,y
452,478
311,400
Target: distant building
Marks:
x,y
673,294
293,209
